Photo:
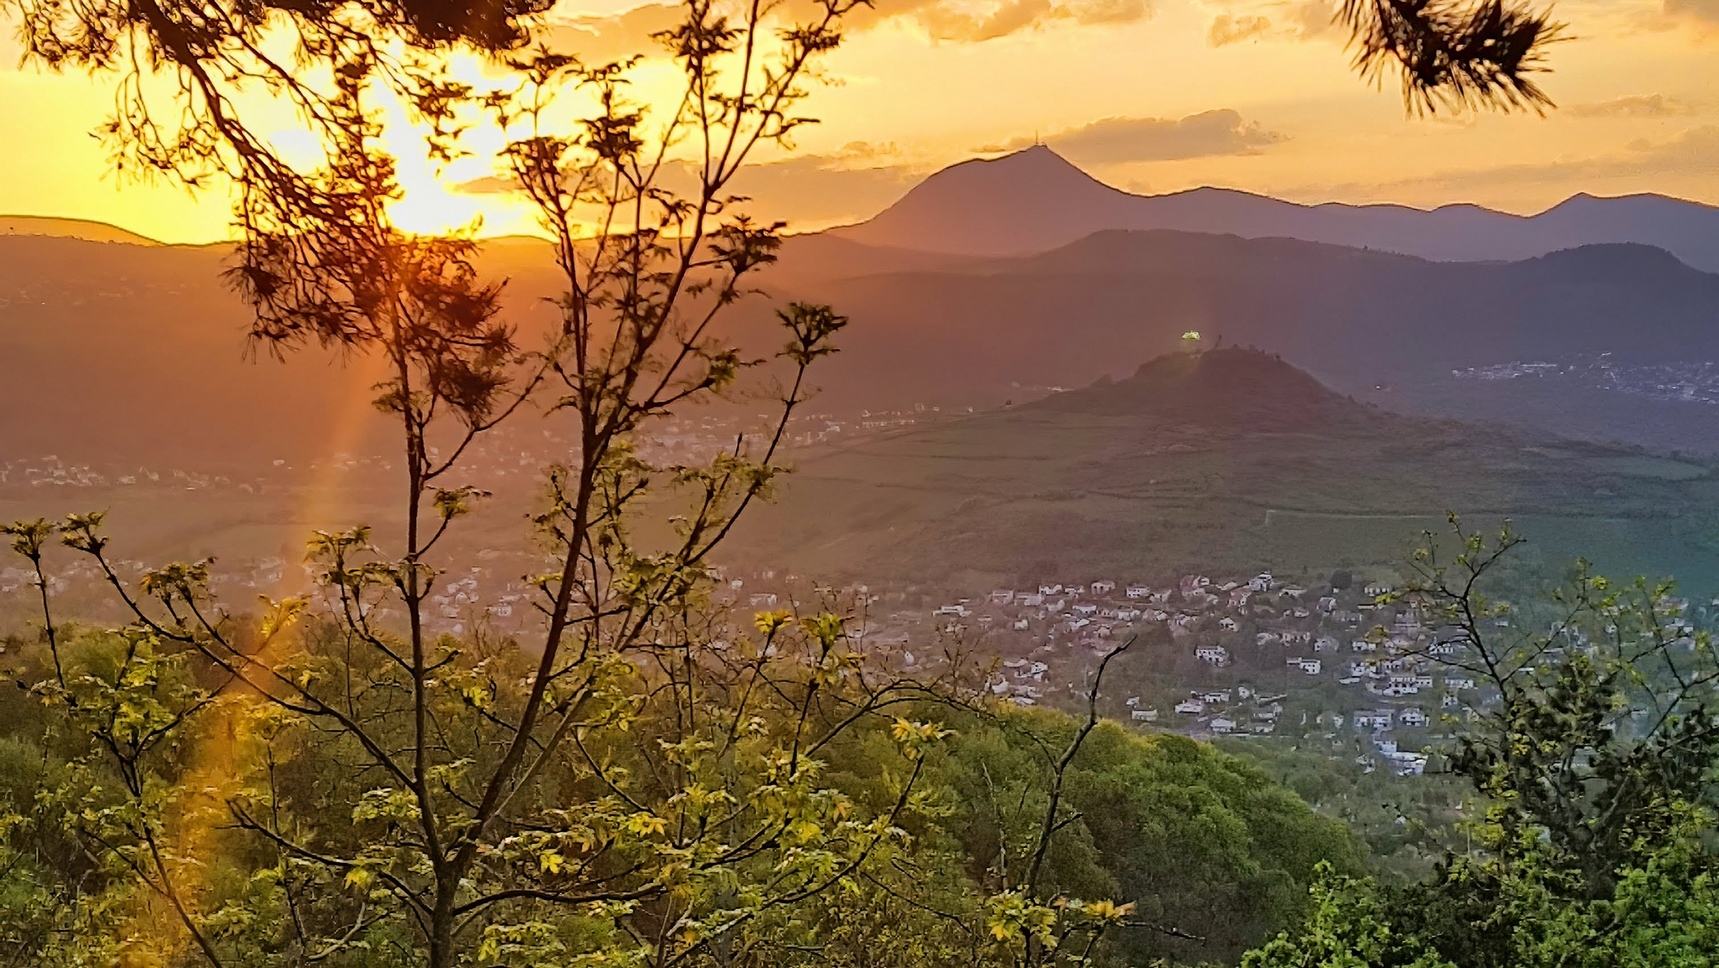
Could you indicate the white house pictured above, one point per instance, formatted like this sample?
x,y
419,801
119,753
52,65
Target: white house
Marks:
x,y
1373,719
1138,591
1190,707
1215,654
1223,724
1412,716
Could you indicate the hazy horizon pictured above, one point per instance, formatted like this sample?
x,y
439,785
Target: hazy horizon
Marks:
x,y
1151,98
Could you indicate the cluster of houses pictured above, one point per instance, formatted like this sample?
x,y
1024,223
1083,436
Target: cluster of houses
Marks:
x,y
1241,633
50,471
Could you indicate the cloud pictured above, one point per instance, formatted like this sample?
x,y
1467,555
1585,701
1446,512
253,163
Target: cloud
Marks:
x,y
1120,140
1228,29
1314,19
1633,106
851,183
1278,20
951,20
1692,153
1703,10
597,37
1696,149
603,38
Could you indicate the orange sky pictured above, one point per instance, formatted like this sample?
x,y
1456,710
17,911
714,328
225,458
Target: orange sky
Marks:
x,y
1149,95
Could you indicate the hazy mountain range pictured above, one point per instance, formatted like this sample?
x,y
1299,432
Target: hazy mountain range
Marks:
x,y
134,349
1034,200
978,331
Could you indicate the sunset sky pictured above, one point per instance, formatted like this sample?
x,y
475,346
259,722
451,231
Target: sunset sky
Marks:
x,y
1148,95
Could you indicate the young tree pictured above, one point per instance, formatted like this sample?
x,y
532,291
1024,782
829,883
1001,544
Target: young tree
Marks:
x,y
634,784
1592,754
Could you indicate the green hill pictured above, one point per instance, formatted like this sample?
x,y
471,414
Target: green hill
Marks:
x,y
1228,460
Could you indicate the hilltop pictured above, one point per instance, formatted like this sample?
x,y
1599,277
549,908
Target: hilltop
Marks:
x,y
1222,389
70,228
1386,328
1229,460
1035,200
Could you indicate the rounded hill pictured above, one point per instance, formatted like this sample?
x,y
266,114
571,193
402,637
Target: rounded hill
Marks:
x,y
1229,387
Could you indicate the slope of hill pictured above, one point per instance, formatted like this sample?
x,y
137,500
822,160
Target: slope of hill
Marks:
x,y
121,350
70,228
1224,390
1229,461
1387,328
1034,200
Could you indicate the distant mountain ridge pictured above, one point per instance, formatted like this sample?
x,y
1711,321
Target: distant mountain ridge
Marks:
x,y
88,230
1035,200
1231,459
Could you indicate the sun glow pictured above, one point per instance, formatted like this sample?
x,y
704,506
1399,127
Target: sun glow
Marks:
x,y
430,206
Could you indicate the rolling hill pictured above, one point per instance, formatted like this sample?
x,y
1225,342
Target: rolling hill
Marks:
x,y
1034,200
70,228
122,351
1228,460
1388,328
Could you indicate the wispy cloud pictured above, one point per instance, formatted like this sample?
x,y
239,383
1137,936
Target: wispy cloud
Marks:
x,y
1702,10
812,190
1632,106
1692,152
599,37
1275,20
1121,140
1230,29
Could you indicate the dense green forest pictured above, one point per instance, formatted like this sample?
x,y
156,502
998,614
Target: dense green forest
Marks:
x,y
777,795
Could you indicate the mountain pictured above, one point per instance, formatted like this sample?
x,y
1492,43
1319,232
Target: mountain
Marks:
x,y
1034,200
69,228
1225,389
123,351
1388,328
1230,461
